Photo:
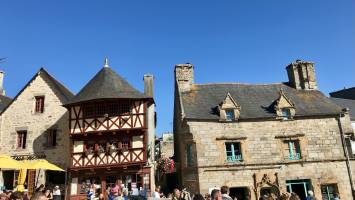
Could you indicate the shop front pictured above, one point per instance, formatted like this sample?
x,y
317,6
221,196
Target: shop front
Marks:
x,y
135,179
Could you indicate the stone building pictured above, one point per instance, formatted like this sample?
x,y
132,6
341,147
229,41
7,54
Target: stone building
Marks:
x,y
261,139
35,125
346,99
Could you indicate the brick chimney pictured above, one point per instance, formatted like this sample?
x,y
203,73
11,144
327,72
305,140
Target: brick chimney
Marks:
x,y
184,76
148,85
2,91
301,75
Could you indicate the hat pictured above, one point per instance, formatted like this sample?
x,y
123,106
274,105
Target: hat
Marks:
x,y
57,187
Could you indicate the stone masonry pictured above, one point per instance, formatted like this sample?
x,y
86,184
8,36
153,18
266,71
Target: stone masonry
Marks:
x,y
262,141
20,116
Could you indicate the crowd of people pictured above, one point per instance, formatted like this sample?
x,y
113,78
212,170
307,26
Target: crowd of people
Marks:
x,y
41,193
223,194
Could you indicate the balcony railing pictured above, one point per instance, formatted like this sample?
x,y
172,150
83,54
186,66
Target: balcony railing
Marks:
x,y
112,158
296,156
236,158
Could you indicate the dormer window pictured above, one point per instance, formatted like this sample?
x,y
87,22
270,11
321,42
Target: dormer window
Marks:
x,y
284,108
286,114
229,115
229,110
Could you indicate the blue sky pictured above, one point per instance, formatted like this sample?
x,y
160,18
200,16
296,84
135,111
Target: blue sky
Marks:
x,y
227,41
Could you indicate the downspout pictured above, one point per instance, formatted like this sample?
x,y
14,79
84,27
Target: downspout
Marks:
x,y
348,166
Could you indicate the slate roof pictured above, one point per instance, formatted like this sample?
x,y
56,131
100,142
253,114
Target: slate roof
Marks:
x,y
344,94
256,101
4,102
65,92
346,103
107,84
65,96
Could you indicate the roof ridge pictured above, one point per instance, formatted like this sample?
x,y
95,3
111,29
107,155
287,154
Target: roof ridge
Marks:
x,y
345,89
234,83
59,86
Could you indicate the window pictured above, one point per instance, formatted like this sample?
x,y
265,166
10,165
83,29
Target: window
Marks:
x,y
110,108
21,139
234,152
52,138
292,150
229,115
329,191
286,114
189,157
39,108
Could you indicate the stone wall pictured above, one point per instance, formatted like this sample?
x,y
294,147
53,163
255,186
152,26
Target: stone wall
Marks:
x,y
20,115
322,155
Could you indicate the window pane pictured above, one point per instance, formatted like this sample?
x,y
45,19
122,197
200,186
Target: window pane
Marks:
x,y
229,115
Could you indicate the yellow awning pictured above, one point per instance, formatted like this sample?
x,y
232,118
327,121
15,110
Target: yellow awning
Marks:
x,y
9,163
40,164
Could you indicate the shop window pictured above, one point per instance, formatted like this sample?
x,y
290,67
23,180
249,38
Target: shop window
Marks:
x,y
292,150
39,106
233,151
329,191
21,139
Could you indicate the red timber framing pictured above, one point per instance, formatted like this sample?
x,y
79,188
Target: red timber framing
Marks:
x,y
120,148
107,116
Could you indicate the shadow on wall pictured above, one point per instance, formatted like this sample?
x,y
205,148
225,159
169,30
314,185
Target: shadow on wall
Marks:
x,y
53,142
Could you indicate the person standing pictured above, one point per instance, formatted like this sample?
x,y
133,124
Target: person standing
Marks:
x,y
216,194
225,193
156,193
56,193
310,195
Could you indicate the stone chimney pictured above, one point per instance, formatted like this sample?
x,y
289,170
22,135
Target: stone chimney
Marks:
x,y
184,76
148,84
2,91
301,75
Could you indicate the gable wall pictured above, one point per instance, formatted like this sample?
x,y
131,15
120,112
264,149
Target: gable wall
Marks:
x,y
20,115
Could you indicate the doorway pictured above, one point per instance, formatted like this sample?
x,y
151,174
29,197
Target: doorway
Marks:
x,y
300,187
241,193
8,176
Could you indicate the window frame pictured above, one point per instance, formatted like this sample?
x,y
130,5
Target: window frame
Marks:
x,y
21,140
293,148
39,104
189,155
327,185
52,138
229,114
286,113
235,146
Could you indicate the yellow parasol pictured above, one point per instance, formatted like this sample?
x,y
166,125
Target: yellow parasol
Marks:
x,y
41,164
21,180
8,163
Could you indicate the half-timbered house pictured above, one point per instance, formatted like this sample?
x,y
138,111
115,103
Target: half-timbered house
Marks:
x,y
111,126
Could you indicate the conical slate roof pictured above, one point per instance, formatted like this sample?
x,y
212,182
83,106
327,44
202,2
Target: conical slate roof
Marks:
x,y
107,84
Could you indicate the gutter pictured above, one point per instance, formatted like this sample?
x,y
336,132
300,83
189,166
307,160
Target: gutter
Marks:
x,y
347,160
